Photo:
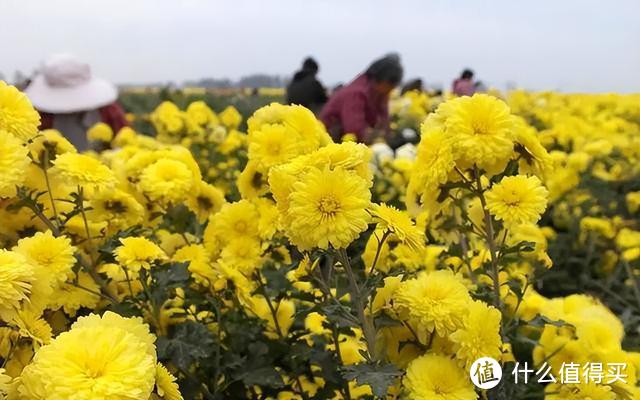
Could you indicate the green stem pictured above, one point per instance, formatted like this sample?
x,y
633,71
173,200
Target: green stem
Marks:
x,y
379,250
45,164
634,281
274,315
366,323
38,213
336,339
495,270
86,226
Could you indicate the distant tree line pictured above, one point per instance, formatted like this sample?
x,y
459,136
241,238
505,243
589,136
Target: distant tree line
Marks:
x,y
249,81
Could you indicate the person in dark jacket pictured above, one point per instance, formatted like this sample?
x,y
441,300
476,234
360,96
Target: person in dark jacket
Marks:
x,y
305,89
412,85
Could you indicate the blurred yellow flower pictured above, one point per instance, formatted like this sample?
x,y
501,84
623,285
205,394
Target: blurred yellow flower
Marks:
x,y
17,115
100,132
84,171
230,117
167,181
16,276
13,164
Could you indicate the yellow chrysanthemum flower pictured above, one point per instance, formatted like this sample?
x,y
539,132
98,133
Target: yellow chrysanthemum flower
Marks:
x,y
138,252
269,217
243,254
285,311
200,113
327,208
273,144
206,200
117,207
632,199
14,161
70,297
600,226
110,358
52,259
314,323
167,181
81,170
399,223
234,141
480,335
167,118
437,377
434,164
126,136
5,384
582,391
438,301
200,265
252,183
353,157
534,158
55,254
100,132
16,277
17,115
434,161
299,122
482,128
51,142
166,385
237,220
31,325
230,117
517,199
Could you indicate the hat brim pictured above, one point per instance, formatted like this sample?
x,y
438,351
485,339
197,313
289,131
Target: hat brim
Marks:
x,y
94,94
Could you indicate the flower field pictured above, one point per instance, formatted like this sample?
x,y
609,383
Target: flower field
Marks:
x,y
198,259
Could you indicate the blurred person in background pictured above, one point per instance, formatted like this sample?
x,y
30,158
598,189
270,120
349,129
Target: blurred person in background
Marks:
x,y
362,106
71,100
464,86
480,87
305,89
412,85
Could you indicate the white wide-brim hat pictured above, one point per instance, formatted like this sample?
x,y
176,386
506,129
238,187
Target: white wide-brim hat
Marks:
x,y
65,85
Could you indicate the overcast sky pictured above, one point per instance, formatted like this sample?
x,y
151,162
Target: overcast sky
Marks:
x,y
570,45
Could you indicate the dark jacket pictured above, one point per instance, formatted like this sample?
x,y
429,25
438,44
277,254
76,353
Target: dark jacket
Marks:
x,y
306,90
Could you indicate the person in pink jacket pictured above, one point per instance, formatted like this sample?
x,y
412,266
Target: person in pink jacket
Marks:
x,y
464,86
362,106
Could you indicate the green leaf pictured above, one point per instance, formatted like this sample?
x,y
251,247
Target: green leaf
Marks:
x,y
264,376
540,321
191,341
167,277
378,376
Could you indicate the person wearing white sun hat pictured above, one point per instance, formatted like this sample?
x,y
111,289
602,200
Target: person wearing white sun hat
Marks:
x,y
71,100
